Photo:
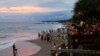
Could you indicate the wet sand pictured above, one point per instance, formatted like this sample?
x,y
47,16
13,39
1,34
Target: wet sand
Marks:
x,y
24,48
45,48
6,52
34,47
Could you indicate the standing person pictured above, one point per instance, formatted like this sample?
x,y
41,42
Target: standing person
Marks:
x,y
48,37
14,50
39,35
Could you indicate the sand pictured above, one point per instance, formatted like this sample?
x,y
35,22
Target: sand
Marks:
x,y
30,48
35,47
25,48
45,48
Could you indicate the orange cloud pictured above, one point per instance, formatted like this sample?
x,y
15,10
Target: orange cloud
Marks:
x,y
24,9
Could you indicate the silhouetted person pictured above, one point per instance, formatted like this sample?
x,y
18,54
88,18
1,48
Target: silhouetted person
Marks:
x,y
48,37
14,50
39,35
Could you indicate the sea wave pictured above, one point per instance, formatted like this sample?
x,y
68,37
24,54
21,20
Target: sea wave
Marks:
x,y
10,33
6,44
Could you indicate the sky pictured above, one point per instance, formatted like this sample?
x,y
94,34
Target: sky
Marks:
x,y
35,6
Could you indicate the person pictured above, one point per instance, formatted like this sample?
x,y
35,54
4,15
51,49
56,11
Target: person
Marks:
x,y
54,45
82,23
39,35
48,37
14,50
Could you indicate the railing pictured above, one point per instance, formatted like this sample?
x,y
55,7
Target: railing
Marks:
x,y
74,52
62,50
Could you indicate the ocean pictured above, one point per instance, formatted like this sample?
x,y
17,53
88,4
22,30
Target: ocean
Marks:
x,y
10,32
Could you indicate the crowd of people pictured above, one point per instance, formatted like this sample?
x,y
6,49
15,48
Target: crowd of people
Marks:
x,y
83,32
84,29
45,35
72,32
60,33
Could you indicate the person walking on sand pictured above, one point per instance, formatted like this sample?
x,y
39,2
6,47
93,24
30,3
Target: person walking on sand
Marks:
x,y
14,50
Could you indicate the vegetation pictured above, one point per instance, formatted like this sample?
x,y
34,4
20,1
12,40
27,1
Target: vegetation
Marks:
x,y
87,10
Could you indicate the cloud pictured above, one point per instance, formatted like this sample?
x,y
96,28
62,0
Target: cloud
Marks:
x,y
24,9
19,6
43,3
9,3
64,4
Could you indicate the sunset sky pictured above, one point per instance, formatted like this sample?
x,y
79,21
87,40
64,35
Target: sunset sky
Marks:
x,y
33,6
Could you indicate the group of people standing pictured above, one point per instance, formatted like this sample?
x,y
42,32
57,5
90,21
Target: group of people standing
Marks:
x,y
45,35
79,32
60,33
84,28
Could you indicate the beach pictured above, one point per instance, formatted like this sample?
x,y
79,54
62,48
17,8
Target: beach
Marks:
x,y
24,48
45,48
25,37
35,47
30,48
